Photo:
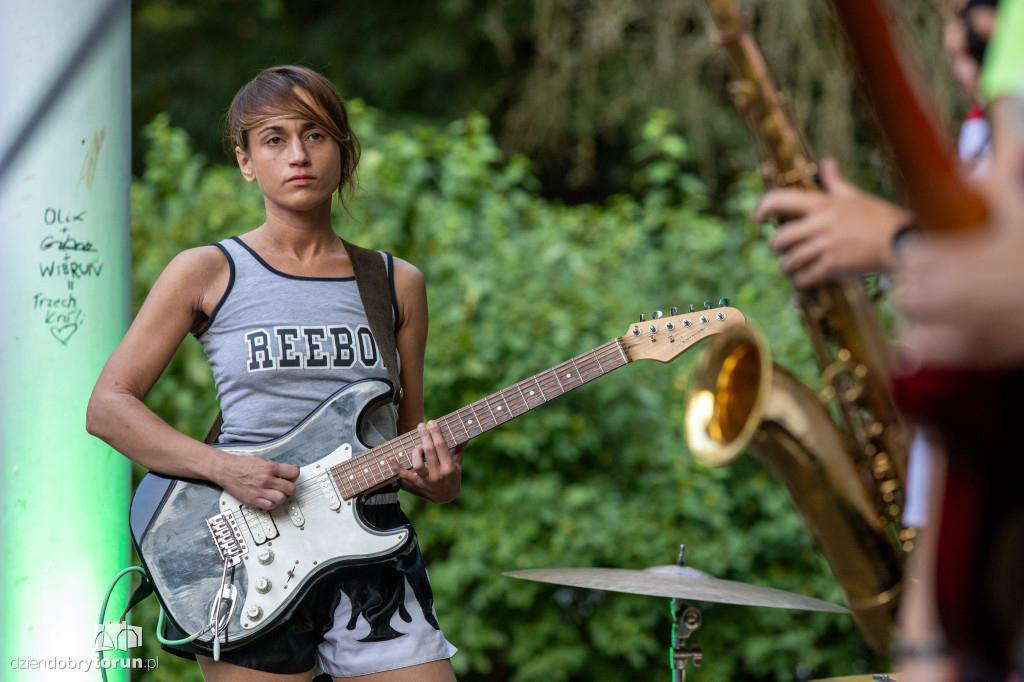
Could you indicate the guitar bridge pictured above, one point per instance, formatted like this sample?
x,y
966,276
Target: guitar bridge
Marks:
x,y
228,537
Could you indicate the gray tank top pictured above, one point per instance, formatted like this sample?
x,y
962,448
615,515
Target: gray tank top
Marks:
x,y
279,345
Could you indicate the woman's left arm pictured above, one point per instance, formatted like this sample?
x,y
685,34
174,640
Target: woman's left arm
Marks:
x,y
436,472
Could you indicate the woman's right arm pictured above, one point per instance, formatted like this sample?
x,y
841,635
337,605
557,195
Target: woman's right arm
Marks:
x,y
182,298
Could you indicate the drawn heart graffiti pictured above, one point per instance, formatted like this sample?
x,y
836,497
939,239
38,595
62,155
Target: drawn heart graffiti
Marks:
x,y
64,332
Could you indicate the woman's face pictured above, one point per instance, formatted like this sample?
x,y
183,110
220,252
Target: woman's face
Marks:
x,y
296,164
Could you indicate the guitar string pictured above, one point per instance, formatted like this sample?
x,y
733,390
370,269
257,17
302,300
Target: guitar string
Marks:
x,y
504,397
583,368
367,477
542,379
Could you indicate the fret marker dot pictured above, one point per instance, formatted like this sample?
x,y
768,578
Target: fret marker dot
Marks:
x,y
531,392
499,408
350,477
568,375
382,462
366,471
469,421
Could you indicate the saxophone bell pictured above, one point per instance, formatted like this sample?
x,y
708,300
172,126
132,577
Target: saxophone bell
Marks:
x,y
739,400
727,395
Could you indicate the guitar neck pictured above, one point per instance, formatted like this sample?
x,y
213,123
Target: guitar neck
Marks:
x,y
371,469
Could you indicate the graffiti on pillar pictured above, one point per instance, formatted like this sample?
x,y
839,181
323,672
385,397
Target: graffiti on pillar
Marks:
x,y
67,259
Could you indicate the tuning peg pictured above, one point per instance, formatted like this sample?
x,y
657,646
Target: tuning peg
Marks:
x,y
673,311
691,307
707,305
724,302
642,318
657,315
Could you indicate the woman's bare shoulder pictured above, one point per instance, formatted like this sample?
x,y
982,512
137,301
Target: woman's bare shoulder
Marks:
x,y
196,277
411,291
407,274
201,262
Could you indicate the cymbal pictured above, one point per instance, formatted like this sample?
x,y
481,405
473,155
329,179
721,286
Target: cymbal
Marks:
x,y
676,581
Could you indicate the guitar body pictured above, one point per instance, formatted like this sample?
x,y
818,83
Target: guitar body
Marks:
x,y
276,556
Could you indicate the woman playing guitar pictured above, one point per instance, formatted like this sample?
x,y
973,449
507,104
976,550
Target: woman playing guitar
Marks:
x,y
279,314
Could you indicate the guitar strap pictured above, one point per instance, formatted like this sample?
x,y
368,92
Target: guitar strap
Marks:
x,y
375,293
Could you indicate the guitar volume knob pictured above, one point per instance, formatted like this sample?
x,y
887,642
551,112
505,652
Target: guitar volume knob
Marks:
x,y
254,612
265,556
262,585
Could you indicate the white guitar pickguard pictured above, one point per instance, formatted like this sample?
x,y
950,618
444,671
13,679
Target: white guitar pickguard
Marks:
x,y
314,525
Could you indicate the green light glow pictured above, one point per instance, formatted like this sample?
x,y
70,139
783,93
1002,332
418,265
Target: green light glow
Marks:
x,y
64,264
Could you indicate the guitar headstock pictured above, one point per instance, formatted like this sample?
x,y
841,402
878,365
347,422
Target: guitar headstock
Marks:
x,y
665,338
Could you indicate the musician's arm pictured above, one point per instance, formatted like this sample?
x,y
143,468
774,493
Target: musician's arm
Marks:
x,y
920,653
437,470
117,414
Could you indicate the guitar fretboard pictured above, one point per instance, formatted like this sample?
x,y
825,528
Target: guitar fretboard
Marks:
x,y
370,469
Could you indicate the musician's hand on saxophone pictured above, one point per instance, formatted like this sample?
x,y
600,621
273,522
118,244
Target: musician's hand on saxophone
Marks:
x,y
826,235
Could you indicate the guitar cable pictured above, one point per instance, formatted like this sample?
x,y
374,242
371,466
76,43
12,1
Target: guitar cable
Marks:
x,y
215,614
160,619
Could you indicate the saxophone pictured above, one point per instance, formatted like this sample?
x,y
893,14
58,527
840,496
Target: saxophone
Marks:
x,y
846,479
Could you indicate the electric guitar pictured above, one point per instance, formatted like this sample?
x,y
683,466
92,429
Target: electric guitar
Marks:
x,y
231,571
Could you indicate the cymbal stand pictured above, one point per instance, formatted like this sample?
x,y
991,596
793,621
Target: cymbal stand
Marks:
x,y
685,620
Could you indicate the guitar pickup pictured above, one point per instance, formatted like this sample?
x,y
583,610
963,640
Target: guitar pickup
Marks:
x,y
230,542
330,494
295,513
261,523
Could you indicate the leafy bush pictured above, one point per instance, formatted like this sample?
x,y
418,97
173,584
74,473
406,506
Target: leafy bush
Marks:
x,y
601,476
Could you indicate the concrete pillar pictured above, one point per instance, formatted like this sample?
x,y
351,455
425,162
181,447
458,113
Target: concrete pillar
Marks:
x,y
64,305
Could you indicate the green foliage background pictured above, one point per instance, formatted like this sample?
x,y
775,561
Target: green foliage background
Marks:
x,y
567,82
600,477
